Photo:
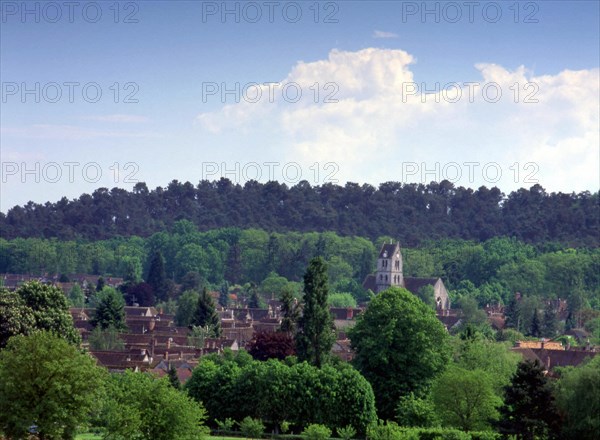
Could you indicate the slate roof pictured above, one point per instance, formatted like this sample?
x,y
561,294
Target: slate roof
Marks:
x,y
388,249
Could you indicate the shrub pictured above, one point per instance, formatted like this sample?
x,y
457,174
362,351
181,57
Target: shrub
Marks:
x,y
252,428
284,426
225,425
316,432
390,431
346,433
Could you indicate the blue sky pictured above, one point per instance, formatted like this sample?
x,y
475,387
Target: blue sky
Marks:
x,y
373,59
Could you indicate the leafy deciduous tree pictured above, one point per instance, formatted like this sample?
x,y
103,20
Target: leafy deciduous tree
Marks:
x,y
48,383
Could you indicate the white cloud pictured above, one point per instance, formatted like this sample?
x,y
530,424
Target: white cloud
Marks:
x,y
381,119
383,34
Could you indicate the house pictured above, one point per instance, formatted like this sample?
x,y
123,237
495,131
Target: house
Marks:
x,y
389,273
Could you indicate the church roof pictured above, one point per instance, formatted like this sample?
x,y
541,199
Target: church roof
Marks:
x,y
414,284
388,250
369,283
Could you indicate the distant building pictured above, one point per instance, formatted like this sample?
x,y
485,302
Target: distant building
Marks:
x,y
389,273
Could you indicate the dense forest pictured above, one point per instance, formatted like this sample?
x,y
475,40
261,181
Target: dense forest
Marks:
x,y
410,212
490,271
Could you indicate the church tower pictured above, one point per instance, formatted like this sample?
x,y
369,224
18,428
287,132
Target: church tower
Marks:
x,y
389,267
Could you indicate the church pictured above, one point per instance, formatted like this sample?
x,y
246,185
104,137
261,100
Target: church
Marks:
x,y
389,273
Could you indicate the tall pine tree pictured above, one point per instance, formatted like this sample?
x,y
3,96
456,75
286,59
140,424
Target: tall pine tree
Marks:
x,y
550,322
206,315
536,326
529,411
315,335
157,277
224,295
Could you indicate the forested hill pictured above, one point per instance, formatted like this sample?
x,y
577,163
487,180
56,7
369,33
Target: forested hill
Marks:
x,y
410,212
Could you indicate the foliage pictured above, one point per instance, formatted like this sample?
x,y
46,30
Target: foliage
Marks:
x,y
15,317
141,294
315,335
105,339
290,311
494,358
139,407
173,378
186,307
529,410
346,432
419,212
400,347
427,295
35,306
465,399
205,314
46,382
577,397
110,311
415,411
341,300
225,425
315,431
271,345
252,428
197,335
157,277
298,393
76,296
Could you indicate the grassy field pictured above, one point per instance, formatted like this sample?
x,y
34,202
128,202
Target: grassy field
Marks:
x,y
97,437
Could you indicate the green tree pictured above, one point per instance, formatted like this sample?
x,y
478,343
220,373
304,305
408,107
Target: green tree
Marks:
x,y
315,335
465,399
139,407
290,311
206,315
157,277
427,295
577,398
536,326
105,339
341,300
50,309
173,378
417,412
550,321
15,317
186,307
252,428
316,432
400,347
100,284
76,296
224,295
529,410
110,311
48,383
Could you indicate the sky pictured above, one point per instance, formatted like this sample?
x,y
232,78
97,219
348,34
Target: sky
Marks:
x,y
108,94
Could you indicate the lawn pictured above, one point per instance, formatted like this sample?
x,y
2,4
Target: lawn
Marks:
x,y
88,437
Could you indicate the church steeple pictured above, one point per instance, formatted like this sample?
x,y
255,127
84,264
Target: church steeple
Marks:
x,y
389,267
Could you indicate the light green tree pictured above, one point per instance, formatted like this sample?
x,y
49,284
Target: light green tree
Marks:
x,y
48,383
140,407
466,399
400,347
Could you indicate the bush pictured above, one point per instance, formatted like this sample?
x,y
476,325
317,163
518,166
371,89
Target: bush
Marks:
x,y
252,428
346,433
389,431
316,432
225,425
285,426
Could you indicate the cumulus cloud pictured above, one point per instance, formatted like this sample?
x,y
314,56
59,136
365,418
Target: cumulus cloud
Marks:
x,y
366,111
